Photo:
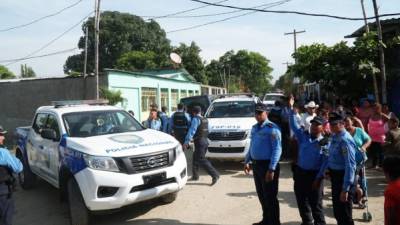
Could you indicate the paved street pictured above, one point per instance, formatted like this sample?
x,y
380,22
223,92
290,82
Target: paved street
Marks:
x,y
232,201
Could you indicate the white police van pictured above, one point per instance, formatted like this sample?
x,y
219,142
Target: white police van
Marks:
x,y
99,157
231,118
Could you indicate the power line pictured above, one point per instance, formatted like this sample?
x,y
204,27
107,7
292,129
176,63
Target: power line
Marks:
x,y
293,12
207,15
227,18
184,11
41,18
40,56
55,39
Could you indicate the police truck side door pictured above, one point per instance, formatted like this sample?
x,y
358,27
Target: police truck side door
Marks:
x,y
34,142
50,152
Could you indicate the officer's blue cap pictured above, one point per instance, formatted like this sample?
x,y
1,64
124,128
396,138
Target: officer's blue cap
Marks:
x,y
260,107
335,118
318,120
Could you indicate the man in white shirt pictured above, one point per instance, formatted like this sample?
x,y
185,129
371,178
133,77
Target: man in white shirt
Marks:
x,y
306,118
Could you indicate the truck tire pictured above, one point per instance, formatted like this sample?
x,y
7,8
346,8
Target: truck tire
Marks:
x,y
79,214
26,178
169,198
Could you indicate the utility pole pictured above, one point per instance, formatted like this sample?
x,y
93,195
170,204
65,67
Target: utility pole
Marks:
x,y
96,43
365,17
381,54
86,48
294,33
287,64
376,91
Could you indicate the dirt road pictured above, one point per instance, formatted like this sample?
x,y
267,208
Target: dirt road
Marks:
x,y
231,201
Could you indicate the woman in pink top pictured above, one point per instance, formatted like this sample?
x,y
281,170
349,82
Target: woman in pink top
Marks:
x,y
377,132
365,112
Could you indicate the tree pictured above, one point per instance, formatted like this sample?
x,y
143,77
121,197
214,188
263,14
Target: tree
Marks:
x,y
242,71
192,61
113,97
27,71
120,33
136,60
5,73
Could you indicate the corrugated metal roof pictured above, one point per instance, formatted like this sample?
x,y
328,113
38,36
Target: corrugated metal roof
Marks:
x,y
162,73
360,31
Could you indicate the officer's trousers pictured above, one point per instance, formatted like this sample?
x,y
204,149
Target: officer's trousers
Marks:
x,y
267,192
199,159
341,210
309,201
6,209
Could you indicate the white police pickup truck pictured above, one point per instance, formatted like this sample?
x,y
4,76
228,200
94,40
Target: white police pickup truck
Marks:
x,y
99,157
230,119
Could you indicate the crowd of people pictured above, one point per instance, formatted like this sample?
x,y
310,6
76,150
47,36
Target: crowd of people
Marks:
x,y
325,142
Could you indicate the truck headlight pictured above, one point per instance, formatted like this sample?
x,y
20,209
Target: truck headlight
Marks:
x,y
178,150
101,163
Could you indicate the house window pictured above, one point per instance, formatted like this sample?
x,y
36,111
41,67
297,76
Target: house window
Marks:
x,y
191,93
196,92
164,97
149,96
183,94
174,99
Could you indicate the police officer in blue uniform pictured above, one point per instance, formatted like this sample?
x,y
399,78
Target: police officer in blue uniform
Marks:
x,y
8,165
342,166
179,124
312,154
198,131
264,154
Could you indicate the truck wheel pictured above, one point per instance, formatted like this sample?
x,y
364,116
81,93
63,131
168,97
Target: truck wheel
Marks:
x,y
79,214
169,198
26,178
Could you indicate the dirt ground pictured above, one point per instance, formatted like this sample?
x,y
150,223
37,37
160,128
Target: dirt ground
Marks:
x,y
232,200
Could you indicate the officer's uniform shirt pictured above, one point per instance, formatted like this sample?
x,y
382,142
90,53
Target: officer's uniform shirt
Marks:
x,y
265,144
164,122
10,161
311,155
342,152
194,124
171,121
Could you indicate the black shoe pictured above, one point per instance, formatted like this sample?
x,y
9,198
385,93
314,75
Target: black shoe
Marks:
x,y
194,178
214,181
259,223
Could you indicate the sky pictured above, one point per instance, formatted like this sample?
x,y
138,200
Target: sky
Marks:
x,y
260,32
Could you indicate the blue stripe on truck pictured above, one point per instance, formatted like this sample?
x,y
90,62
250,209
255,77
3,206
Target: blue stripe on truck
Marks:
x,y
71,158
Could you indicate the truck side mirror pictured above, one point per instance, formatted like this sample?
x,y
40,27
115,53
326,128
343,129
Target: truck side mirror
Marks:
x,y
49,134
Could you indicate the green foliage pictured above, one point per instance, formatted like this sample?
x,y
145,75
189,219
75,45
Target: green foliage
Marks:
x,y
27,71
5,73
241,71
192,61
136,60
120,33
114,97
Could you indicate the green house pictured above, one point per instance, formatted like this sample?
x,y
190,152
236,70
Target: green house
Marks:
x,y
140,89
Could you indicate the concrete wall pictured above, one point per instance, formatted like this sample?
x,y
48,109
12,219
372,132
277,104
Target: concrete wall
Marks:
x,y
20,98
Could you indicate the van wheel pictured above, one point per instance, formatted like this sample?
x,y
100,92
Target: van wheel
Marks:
x,y
79,214
169,198
26,178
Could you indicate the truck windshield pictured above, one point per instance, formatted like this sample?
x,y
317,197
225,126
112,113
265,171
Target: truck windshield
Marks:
x,y
269,97
94,123
231,109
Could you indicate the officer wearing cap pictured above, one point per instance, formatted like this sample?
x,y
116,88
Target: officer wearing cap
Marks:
x,y
264,154
312,154
198,132
342,166
8,165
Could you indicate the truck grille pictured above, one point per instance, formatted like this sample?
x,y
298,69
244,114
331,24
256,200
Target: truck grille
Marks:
x,y
226,150
150,162
227,136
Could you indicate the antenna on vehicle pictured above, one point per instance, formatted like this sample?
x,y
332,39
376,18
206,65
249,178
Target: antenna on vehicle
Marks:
x,y
176,59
